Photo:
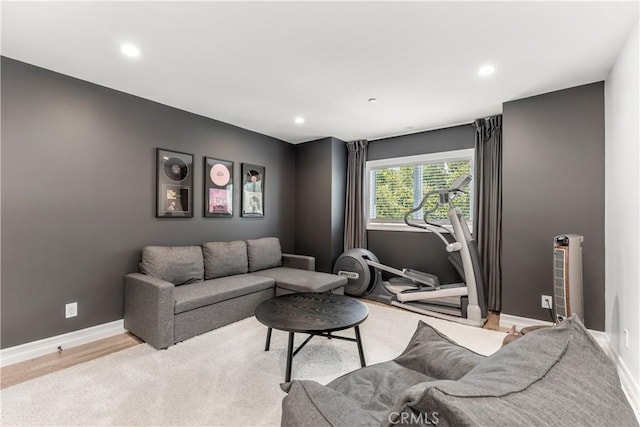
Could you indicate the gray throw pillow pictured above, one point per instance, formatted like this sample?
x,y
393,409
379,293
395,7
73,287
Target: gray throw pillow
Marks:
x,y
223,259
179,265
436,355
264,253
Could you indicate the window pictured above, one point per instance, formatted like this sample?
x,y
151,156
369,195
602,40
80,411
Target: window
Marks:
x,y
397,185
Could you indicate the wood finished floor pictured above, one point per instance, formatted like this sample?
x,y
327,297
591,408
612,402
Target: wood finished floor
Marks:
x,y
34,368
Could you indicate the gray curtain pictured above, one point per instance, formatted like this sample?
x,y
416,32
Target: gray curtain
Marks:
x,y
487,216
355,232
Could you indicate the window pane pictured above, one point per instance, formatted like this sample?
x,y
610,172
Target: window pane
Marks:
x,y
396,190
393,194
438,176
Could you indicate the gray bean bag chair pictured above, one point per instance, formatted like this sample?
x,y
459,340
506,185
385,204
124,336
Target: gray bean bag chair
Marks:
x,y
551,377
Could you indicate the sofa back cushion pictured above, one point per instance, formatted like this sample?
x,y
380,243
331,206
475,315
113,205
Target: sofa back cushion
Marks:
x,y
223,259
264,253
179,265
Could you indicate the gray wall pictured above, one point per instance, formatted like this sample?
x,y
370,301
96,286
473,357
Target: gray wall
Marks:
x,y
78,195
312,201
553,164
338,194
416,250
320,199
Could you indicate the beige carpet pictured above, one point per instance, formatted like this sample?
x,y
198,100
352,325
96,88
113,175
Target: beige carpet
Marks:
x,y
220,378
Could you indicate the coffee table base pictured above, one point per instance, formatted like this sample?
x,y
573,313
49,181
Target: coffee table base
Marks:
x,y
291,353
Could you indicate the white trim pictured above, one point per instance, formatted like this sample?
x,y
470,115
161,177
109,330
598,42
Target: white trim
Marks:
x,y
394,226
466,154
31,350
628,382
508,320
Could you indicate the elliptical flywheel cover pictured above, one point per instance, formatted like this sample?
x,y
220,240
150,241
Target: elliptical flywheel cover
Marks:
x,y
354,267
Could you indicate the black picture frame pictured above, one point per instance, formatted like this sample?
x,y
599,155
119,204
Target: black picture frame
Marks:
x,y
253,185
218,188
174,184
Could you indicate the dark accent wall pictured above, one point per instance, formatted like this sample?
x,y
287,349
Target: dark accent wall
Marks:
x,y
433,141
320,199
553,183
78,195
417,250
338,194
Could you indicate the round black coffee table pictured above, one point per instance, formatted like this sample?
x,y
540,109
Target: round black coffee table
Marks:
x,y
313,314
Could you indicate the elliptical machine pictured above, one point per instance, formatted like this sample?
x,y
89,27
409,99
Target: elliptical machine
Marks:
x,y
418,291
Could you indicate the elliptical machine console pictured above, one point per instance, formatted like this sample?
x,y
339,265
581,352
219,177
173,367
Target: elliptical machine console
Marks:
x,y
418,291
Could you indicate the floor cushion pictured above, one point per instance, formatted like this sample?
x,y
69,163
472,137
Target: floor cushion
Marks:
x,y
553,376
436,355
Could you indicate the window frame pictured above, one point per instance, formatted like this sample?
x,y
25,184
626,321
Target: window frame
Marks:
x,y
420,159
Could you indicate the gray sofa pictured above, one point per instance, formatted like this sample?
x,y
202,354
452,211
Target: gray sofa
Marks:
x,y
184,291
551,377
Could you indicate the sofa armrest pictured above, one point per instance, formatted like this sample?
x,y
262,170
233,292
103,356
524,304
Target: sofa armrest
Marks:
x,y
309,403
301,262
149,309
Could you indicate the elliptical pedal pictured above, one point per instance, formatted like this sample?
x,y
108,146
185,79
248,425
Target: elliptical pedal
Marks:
x,y
430,280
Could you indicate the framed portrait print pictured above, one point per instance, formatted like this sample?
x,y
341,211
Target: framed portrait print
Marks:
x,y
218,188
252,191
174,184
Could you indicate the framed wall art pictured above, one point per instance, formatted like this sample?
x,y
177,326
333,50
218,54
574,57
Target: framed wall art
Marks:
x,y
218,188
174,184
252,191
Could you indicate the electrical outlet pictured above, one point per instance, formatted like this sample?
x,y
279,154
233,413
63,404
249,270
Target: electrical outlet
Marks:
x,y
71,310
547,301
626,338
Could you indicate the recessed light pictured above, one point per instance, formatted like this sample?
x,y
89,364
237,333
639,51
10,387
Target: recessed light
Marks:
x,y
299,120
373,100
130,50
486,70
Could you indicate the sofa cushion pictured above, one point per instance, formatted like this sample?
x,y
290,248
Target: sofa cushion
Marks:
x,y
176,264
436,355
264,253
224,259
200,294
556,376
297,280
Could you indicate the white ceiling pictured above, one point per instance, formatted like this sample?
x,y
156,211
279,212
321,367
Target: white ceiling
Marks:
x,y
258,65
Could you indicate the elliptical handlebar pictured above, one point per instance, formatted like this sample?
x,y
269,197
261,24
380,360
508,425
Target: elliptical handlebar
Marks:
x,y
460,184
443,198
419,208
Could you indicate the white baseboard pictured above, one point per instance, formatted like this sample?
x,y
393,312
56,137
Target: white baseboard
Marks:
x,y
508,320
31,350
628,382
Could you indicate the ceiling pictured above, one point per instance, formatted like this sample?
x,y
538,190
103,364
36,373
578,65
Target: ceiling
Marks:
x,y
258,65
